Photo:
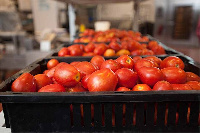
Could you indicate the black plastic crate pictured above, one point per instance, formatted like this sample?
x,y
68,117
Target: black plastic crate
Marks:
x,y
61,112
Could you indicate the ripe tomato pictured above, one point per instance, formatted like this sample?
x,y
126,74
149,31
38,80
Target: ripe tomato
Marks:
x,y
102,80
141,87
181,87
66,75
150,75
174,75
85,68
192,77
136,58
97,61
123,52
24,83
77,88
143,63
84,81
162,86
100,49
115,46
172,61
123,89
52,63
126,77
154,59
75,50
89,47
42,80
195,85
74,63
109,52
52,88
63,51
125,61
111,64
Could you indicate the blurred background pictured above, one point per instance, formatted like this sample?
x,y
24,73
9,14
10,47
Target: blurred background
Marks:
x,y
31,29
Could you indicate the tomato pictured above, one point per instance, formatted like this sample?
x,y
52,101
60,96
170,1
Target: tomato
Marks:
x,y
154,59
88,54
63,51
141,87
52,88
67,75
125,61
123,89
84,81
181,87
75,50
123,52
97,61
136,52
126,77
45,72
89,47
162,86
42,80
192,77
24,83
102,80
52,63
174,75
195,85
85,68
74,63
115,46
134,45
150,75
172,61
77,88
142,63
111,64
136,58
109,52
100,49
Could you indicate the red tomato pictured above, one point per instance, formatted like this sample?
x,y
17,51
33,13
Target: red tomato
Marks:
x,y
141,87
154,59
181,87
142,63
125,61
45,72
88,54
74,63
89,47
24,83
115,46
162,86
85,68
192,77
52,88
42,80
75,50
66,75
150,75
136,52
111,64
97,61
84,81
52,63
102,80
126,77
136,58
123,89
100,49
174,75
63,51
77,88
195,85
172,61
50,73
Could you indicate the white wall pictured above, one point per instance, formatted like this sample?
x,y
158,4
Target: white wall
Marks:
x,y
45,14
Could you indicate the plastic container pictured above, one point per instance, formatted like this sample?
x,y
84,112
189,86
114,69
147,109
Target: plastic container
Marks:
x,y
165,111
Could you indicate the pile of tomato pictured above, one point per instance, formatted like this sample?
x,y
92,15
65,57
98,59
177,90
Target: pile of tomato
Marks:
x,y
122,74
90,35
113,49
